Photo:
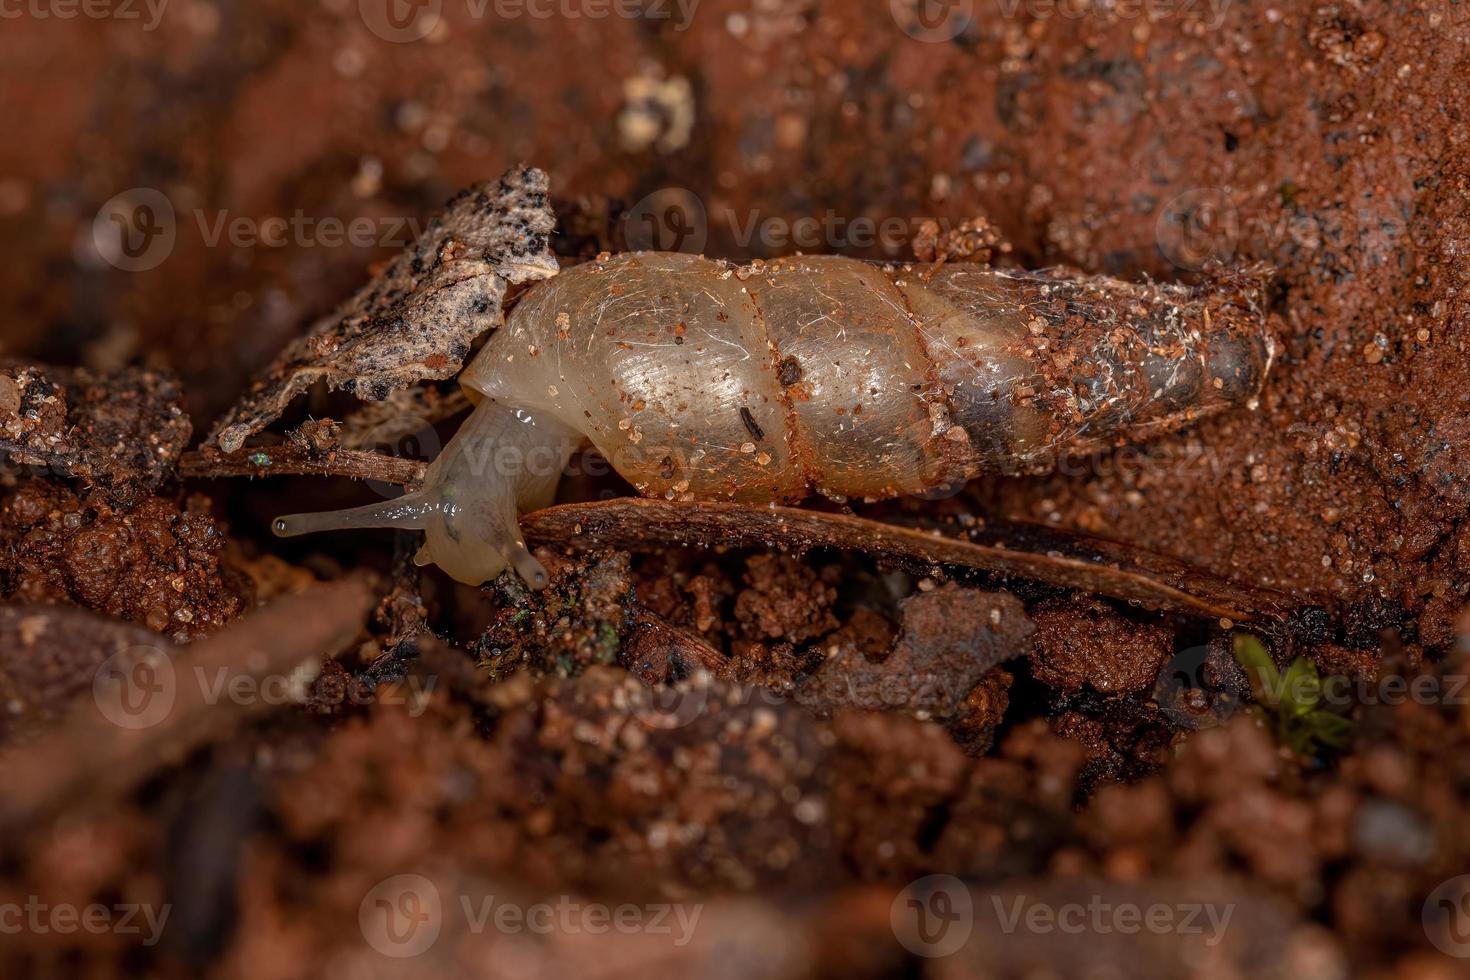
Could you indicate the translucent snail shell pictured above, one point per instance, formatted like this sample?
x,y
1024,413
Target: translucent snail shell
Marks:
x,y
768,382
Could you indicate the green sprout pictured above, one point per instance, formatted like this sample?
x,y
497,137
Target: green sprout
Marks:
x,y
1292,700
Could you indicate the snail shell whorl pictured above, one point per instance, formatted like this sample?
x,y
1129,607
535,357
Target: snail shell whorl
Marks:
x,y
766,382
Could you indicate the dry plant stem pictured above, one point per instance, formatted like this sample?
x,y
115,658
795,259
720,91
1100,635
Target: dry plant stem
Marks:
x,y
89,760
1105,568
289,461
1048,555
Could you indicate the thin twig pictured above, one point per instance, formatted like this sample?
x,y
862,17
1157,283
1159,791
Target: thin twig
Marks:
x,y
286,460
1070,561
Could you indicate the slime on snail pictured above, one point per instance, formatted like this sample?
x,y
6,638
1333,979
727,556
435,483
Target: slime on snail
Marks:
x,y
701,380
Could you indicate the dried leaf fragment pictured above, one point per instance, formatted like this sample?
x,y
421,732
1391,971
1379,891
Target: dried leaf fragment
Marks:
x,y
416,319
121,432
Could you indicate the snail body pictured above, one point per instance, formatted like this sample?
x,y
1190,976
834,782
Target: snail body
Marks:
x,y
697,379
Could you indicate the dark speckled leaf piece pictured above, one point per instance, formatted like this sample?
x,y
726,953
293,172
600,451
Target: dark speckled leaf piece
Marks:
x,y
416,319
120,433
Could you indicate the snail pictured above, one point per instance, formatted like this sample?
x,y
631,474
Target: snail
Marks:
x,y
701,380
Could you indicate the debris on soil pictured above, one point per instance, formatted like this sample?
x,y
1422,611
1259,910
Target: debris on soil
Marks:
x,y
120,433
402,612
1202,685
48,655
1084,641
708,787
784,599
319,436
93,756
974,726
951,639
660,653
156,564
893,777
973,240
416,319
579,619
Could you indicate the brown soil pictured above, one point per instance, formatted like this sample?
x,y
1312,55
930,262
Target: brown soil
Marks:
x,y
784,728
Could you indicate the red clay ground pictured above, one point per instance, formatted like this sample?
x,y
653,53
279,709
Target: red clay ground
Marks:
x,y
846,743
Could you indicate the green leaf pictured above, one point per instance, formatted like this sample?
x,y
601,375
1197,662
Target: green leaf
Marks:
x,y
1260,669
1301,687
1292,701
1329,729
